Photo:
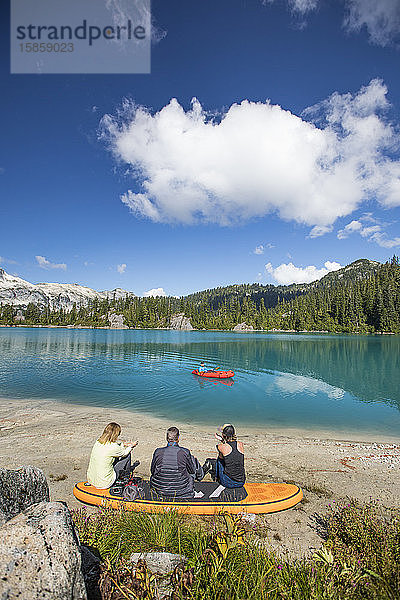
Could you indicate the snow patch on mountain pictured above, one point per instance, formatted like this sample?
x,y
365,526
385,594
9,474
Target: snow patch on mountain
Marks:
x,y
18,292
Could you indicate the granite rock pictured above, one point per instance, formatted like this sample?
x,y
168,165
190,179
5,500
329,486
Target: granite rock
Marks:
x,y
19,489
159,562
179,321
40,556
117,321
243,327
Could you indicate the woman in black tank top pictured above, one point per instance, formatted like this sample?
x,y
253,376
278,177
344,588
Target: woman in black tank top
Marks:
x,y
230,462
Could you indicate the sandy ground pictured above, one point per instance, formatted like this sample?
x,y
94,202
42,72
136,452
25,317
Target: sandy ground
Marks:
x,y
328,466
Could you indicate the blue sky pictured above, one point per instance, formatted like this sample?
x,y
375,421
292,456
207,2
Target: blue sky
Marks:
x,y
223,191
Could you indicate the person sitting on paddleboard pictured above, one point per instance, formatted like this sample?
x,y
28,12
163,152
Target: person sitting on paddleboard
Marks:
x,y
174,469
228,469
109,458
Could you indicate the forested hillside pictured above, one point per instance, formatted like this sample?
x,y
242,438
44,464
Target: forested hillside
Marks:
x,y
360,305
363,297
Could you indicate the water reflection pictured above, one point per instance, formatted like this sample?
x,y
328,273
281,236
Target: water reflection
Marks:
x,y
294,384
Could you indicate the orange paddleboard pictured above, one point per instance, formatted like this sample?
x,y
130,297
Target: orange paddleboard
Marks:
x,y
261,498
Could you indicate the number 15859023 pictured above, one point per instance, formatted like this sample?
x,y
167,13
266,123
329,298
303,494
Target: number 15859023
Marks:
x,y
47,47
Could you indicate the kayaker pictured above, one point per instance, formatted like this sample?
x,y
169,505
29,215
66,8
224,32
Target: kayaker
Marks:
x,y
109,458
174,469
228,469
204,369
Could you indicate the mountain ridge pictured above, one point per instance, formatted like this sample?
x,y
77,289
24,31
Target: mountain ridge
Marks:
x,y
362,297
358,269
19,293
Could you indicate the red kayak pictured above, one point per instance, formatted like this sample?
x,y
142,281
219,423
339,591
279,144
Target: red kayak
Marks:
x,y
217,374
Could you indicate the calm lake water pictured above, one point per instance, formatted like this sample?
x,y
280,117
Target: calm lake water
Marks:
x,y
295,380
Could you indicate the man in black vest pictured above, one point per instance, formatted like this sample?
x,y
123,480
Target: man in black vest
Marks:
x,y
174,469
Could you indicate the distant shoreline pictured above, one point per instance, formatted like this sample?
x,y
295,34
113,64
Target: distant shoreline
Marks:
x,y
195,330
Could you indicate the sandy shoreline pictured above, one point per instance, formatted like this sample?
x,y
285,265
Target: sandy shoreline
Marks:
x,y
328,465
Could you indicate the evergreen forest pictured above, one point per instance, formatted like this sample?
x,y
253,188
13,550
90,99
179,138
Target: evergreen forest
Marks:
x,y
363,297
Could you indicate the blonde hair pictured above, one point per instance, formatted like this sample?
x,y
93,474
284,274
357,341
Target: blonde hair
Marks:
x,y
110,433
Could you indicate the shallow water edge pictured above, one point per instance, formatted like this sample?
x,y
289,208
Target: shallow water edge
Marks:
x,y
42,412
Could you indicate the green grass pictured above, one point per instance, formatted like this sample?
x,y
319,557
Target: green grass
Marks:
x,y
116,534
359,559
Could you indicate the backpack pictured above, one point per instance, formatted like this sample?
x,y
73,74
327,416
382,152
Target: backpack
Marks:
x,y
131,490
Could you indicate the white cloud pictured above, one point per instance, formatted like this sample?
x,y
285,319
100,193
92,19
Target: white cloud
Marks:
x,y
319,230
381,18
286,274
46,264
137,12
297,6
8,261
262,247
258,159
373,233
155,292
368,231
382,240
349,228
302,6
121,268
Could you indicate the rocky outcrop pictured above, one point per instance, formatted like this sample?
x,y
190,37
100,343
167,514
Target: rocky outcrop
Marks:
x,y
19,489
117,321
243,327
159,562
40,556
179,321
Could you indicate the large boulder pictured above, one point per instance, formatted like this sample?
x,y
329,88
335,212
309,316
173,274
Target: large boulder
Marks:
x,y
159,562
19,489
243,327
40,556
117,321
179,321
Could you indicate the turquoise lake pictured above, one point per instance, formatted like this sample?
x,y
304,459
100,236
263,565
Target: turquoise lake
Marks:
x,y
296,380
